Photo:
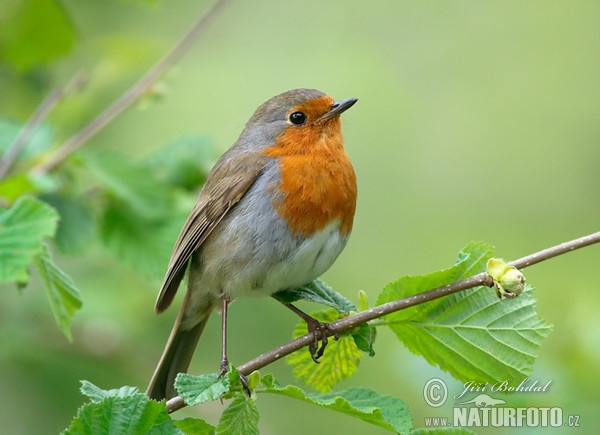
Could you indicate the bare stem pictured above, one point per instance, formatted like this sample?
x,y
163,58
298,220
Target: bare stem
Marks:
x,y
133,93
32,124
350,322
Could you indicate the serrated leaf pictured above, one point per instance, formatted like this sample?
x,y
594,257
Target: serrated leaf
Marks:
x,y
199,389
340,360
143,244
194,426
76,225
97,394
317,291
64,297
235,381
184,163
22,229
471,334
367,405
240,417
120,411
133,184
167,427
135,414
90,418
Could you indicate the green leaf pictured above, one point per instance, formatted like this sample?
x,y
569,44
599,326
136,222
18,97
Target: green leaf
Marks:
x,y
471,334
340,360
141,243
363,302
317,291
121,411
184,163
367,405
13,187
63,295
168,426
198,389
76,225
240,417
22,229
133,184
365,337
97,394
194,426
22,46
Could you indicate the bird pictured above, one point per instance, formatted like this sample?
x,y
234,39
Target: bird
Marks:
x,y
274,213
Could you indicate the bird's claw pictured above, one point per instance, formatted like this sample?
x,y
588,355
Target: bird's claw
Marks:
x,y
243,378
320,331
224,367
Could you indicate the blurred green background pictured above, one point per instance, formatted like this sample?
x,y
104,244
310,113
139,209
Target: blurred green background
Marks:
x,y
476,121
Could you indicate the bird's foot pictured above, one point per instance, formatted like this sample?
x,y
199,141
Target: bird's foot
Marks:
x,y
321,331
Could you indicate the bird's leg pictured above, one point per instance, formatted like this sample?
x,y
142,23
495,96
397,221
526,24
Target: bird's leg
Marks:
x,y
320,331
224,360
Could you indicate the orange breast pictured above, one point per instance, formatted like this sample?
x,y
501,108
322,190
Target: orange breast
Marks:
x,y
317,179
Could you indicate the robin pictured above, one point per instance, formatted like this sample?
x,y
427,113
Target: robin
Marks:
x,y
275,212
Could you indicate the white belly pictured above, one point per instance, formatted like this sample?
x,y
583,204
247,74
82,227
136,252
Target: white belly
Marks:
x,y
248,268
310,260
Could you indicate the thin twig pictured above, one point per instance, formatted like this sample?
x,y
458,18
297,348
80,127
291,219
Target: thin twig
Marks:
x,y
347,323
133,93
554,251
40,114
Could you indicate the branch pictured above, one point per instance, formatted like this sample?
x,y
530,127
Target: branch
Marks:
x,y
32,124
133,93
347,323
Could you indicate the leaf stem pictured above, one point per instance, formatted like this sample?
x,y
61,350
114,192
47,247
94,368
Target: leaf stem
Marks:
x,y
133,93
346,323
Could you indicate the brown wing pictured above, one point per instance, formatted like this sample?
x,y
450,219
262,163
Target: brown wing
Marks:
x,y
229,180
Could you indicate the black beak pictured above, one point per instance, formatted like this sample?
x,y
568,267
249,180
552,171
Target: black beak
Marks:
x,y
338,108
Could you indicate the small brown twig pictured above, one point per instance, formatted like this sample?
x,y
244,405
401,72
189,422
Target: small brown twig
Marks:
x,y
133,93
40,114
347,323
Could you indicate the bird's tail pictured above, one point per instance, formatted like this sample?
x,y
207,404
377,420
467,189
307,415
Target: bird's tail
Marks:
x,y
175,358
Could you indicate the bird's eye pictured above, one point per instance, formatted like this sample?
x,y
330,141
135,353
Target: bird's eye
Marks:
x,y
298,118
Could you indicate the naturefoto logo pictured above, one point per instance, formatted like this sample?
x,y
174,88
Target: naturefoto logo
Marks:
x,y
486,409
